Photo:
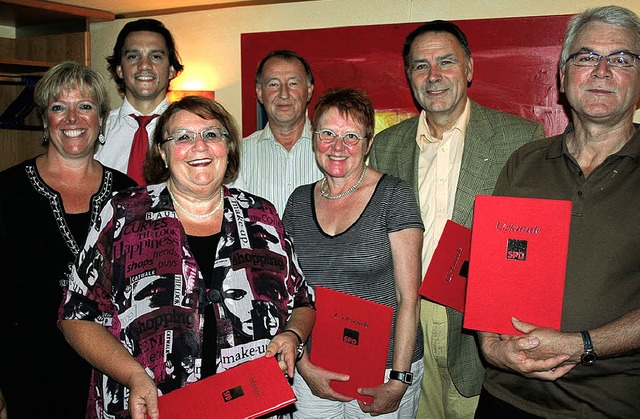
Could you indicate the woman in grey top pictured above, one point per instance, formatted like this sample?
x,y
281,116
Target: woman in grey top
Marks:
x,y
358,231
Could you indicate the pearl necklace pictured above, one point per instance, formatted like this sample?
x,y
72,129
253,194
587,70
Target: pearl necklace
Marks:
x,y
325,192
192,215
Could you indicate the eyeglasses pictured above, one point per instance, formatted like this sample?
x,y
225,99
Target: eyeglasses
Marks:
x,y
328,137
208,135
592,59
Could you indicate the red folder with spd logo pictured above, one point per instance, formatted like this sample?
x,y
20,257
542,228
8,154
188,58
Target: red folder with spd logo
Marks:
x,y
351,336
249,390
518,263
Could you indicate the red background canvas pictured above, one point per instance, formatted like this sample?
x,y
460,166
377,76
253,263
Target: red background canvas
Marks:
x,y
516,61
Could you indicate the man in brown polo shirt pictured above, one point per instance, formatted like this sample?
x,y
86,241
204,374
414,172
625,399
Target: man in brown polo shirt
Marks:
x,y
591,367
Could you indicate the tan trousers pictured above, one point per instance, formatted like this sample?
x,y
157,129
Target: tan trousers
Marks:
x,y
439,398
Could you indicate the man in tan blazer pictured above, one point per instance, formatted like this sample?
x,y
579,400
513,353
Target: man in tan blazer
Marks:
x,y
453,151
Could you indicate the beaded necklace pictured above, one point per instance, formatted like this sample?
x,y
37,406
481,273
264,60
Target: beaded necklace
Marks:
x,y
192,215
324,192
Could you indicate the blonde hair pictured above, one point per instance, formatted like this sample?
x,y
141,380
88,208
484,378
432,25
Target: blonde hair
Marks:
x,y
69,75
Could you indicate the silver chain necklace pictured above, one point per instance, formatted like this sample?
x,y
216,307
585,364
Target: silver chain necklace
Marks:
x,y
324,192
192,215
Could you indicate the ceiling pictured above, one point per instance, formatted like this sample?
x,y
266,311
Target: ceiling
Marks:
x,y
133,9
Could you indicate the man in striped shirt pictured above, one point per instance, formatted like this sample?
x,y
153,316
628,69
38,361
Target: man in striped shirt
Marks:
x,y
277,159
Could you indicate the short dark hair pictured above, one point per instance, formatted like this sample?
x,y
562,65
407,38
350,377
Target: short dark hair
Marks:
x,y
351,102
430,27
142,25
284,54
155,170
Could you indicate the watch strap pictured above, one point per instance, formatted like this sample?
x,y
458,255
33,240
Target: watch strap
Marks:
x,y
300,347
405,377
589,356
586,341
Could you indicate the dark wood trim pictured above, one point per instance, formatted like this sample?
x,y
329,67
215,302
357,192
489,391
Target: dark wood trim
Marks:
x,y
92,14
229,5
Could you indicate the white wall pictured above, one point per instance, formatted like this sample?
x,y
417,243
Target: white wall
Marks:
x,y
209,41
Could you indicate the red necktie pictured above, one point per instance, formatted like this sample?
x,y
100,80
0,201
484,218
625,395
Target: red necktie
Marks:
x,y
139,148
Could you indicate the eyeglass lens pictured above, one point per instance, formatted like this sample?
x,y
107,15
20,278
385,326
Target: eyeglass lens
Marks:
x,y
208,134
349,138
592,59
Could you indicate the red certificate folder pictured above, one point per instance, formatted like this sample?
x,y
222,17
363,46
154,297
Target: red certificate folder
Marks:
x,y
351,336
446,279
249,390
518,263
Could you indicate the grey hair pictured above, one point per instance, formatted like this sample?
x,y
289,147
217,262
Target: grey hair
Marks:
x,y
613,15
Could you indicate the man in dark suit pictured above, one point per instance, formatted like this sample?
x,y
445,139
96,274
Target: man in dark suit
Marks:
x,y
450,153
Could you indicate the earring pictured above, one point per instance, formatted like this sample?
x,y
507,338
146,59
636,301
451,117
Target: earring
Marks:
x,y
45,138
166,166
101,139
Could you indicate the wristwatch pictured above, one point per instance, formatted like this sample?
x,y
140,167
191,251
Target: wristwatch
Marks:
x,y
405,377
589,356
300,347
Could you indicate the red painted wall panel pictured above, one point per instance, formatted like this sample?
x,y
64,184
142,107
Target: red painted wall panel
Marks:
x,y
515,65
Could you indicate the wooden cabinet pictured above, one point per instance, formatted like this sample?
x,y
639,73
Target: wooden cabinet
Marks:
x,y
44,34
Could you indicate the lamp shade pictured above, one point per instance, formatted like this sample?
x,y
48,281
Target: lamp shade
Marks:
x,y
175,95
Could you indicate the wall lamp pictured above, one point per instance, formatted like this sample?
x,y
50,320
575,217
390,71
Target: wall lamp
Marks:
x,y
175,95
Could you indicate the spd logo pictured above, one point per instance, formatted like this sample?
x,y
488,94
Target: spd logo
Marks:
x,y
232,393
351,337
516,249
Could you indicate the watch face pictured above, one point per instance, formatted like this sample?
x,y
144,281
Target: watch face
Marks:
x,y
404,377
588,358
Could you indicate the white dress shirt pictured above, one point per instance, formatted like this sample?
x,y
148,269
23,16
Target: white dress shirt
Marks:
x,y
119,131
